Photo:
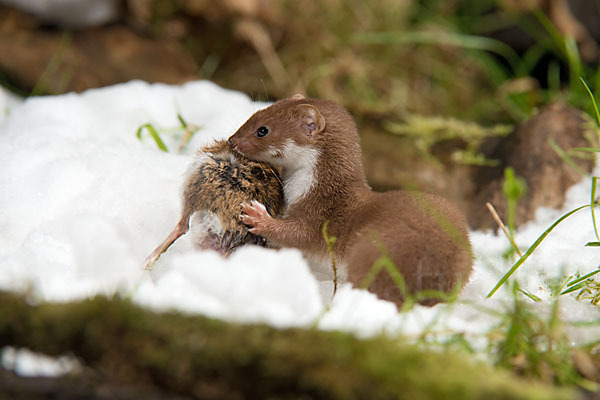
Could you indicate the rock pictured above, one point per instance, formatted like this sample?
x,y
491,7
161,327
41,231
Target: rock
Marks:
x,y
528,152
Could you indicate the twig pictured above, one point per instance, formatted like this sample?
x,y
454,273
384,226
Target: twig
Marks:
x,y
501,224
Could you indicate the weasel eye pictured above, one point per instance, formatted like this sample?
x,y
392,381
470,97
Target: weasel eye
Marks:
x,y
262,131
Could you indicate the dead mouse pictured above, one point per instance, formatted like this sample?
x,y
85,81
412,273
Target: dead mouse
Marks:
x,y
218,183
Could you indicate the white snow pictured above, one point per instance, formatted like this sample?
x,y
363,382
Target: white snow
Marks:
x,y
27,363
83,202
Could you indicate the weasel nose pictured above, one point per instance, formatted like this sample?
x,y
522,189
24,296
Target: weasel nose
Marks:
x,y
234,146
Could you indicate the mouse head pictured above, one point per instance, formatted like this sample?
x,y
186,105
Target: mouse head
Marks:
x,y
278,133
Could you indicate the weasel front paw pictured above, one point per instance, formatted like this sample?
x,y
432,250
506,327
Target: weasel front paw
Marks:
x,y
256,216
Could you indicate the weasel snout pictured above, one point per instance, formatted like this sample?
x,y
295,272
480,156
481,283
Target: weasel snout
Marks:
x,y
239,144
234,142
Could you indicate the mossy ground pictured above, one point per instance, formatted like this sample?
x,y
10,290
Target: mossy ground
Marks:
x,y
204,358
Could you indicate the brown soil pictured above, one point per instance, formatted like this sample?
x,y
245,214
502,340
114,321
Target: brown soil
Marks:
x,y
55,62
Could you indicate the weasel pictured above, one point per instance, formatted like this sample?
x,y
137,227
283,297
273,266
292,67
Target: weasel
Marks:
x,y
316,145
217,183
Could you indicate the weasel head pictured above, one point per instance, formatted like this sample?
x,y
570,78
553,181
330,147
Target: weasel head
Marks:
x,y
282,134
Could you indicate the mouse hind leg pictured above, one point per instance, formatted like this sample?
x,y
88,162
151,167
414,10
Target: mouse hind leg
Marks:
x,y
180,229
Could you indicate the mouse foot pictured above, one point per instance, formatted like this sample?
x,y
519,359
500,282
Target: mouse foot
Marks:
x,y
180,229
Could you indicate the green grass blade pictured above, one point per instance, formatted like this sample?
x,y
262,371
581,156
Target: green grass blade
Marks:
x,y
573,288
578,283
566,47
531,249
575,64
433,294
553,78
372,274
184,124
330,242
594,178
161,145
582,278
554,33
593,99
593,199
592,244
532,57
447,38
513,188
586,149
584,323
565,157
53,65
530,295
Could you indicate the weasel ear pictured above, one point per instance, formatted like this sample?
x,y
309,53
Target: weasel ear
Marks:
x,y
312,120
297,97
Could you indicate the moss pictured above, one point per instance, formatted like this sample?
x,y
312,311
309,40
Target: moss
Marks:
x,y
428,131
202,357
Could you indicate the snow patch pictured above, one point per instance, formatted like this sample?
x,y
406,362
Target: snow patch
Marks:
x,y
84,201
26,363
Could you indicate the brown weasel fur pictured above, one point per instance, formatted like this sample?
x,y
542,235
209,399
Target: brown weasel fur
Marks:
x,y
316,145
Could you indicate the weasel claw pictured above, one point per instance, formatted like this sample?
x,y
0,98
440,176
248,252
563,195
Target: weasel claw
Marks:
x,y
253,214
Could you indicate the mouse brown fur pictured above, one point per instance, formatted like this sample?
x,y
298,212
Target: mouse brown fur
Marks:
x,y
316,145
217,184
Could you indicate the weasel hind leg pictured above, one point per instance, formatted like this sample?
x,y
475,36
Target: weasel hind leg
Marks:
x,y
361,267
411,271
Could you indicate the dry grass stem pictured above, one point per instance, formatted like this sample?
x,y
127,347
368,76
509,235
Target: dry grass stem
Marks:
x,y
501,224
